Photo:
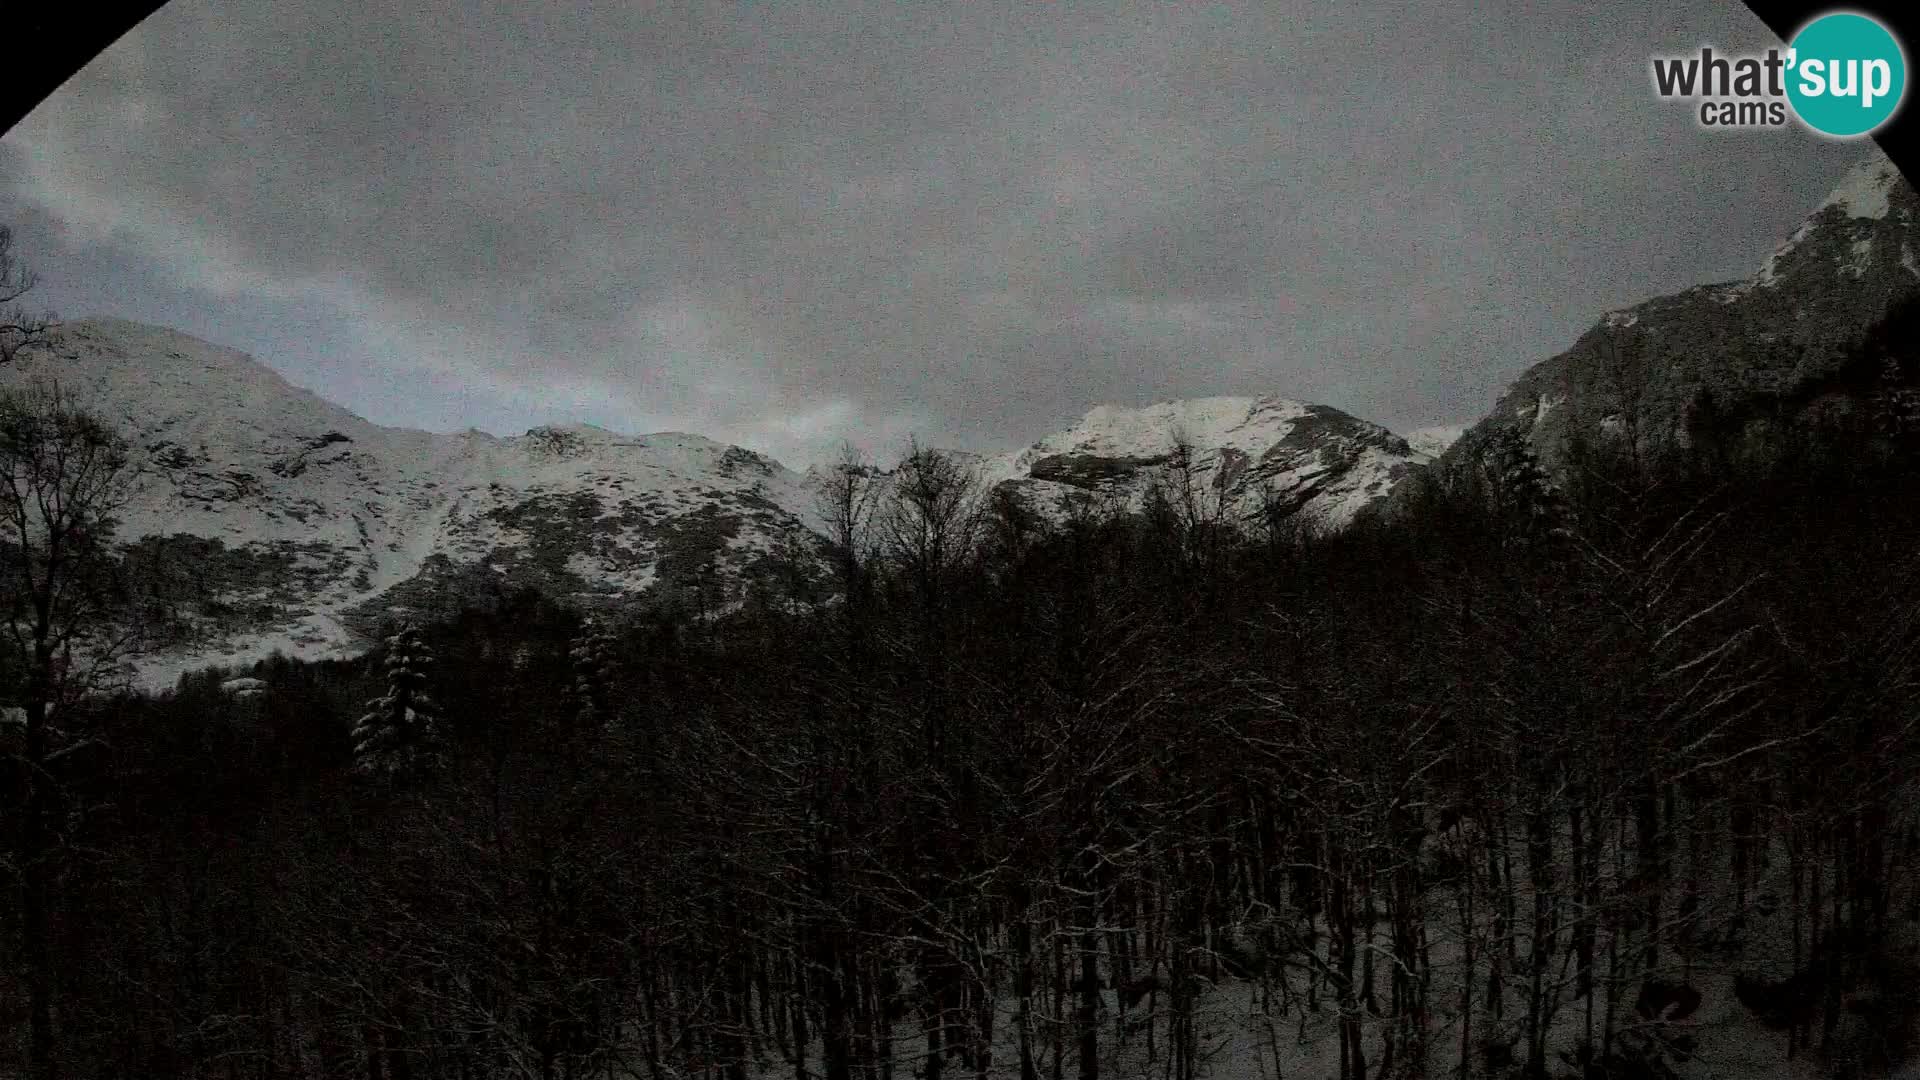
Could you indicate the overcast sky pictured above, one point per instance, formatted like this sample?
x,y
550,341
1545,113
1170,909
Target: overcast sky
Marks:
x,y
789,223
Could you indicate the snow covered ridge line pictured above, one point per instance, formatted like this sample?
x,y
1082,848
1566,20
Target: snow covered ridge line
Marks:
x,y
1866,194
308,527
304,524
1246,452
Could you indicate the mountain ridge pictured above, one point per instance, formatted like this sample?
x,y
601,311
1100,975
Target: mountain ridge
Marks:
x,y
1665,370
306,525
1252,453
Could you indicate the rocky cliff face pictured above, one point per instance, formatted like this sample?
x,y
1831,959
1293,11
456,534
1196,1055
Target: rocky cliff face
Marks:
x,y
1749,359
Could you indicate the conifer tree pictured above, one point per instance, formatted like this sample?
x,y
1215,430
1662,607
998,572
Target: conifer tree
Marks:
x,y
400,730
1521,483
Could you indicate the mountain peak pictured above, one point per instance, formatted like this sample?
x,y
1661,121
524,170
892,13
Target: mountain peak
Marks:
x,y
1433,441
574,429
1866,197
1152,429
1863,192
1253,454
1743,362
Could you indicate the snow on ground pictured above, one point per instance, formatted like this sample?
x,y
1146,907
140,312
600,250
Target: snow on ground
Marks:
x,y
312,637
1250,1030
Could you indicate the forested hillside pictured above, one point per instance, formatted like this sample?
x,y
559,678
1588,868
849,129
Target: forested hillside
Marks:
x,y
1606,772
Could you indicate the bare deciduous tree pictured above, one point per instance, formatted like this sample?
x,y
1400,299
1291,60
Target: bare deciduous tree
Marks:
x,y
63,475
20,329
932,522
845,499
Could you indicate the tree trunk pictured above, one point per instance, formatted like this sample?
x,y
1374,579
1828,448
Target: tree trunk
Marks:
x,y
37,877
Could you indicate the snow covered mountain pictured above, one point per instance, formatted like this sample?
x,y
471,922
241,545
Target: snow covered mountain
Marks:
x,y
289,523
1249,455
300,525
1743,361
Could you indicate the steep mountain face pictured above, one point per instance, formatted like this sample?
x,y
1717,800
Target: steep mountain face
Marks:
x,y
297,525
1748,360
1247,456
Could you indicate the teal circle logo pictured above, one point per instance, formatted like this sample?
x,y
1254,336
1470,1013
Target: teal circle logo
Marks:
x,y
1846,76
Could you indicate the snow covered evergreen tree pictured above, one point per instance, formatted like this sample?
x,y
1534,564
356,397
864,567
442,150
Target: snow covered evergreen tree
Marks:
x,y
400,730
592,659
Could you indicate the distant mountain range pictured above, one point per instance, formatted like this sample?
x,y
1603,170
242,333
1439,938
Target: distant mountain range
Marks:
x,y
306,525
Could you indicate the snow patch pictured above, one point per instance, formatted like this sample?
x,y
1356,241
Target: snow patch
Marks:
x,y
244,688
311,637
1862,257
1545,406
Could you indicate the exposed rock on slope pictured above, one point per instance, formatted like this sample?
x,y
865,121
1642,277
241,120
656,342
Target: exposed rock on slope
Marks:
x,y
1746,360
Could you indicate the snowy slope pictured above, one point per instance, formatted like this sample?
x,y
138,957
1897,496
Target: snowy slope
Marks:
x,y
1865,195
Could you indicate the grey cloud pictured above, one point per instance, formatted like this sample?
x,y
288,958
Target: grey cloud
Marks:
x,y
795,222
